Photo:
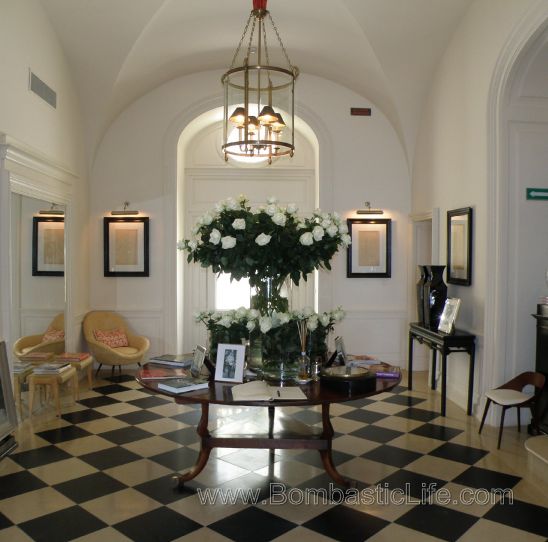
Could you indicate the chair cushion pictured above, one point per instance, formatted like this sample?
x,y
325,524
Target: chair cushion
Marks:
x,y
113,338
508,397
126,350
53,335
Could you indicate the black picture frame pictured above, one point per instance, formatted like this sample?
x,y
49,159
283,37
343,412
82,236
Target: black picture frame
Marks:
x,y
370,253
460,228
48,251
126,246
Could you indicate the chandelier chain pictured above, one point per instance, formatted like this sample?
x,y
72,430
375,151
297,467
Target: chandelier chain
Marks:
x,y
242,40
280,42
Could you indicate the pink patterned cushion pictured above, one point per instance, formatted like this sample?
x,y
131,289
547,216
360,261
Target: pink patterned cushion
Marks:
x,y
113,338
53,335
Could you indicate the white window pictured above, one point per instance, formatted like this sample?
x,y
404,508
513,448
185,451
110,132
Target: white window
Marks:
x,y
231,294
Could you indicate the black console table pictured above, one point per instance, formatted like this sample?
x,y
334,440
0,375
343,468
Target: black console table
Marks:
x,y
445,343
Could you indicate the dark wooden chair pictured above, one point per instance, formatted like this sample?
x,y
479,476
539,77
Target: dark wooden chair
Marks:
x,y
511,395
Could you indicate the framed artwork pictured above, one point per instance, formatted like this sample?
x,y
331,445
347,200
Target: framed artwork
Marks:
x,y
340,349
230,362
449,314
126,247
198,360
48,246
459,246
369,255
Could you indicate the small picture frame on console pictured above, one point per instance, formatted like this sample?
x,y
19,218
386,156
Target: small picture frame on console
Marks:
x,y
449,315
230,363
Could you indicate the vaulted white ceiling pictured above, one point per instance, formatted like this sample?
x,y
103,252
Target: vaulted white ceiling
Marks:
x,y
385,50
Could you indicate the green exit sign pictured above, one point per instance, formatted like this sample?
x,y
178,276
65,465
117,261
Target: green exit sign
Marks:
x,y
537,193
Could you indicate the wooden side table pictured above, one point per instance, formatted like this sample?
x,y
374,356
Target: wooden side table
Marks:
x,y
54,381
87,364
18,380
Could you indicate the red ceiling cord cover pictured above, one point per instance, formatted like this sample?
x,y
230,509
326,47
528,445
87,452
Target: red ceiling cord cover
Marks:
x,y
259,4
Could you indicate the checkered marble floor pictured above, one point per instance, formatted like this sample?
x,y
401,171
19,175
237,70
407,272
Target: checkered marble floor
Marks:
x,y
103,472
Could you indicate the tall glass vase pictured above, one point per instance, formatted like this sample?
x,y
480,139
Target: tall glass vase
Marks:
x,y
435,294
268,296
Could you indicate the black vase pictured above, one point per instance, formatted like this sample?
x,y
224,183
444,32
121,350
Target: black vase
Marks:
x,y
435,294
420,293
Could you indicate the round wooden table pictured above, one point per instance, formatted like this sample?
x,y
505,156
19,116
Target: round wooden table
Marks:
x,y
278,432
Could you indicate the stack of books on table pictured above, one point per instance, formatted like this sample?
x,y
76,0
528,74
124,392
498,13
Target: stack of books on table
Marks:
x,y
381,369
51,368
20,367
37,357
172,360
182,385
72,356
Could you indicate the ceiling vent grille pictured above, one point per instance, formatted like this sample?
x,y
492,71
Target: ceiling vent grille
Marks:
x,y
40,88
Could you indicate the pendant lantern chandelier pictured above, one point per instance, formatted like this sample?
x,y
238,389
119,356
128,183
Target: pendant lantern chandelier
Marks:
x,y
258,93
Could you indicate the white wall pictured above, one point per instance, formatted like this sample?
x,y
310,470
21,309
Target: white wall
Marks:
x,y
27,40
360,159
451,157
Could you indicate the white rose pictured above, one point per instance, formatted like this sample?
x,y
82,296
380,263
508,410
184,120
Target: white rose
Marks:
x,y
279,219
242,198
283,317
239,224
343,228
326,223
181,244
219,207
332,230
228,242
312,324
346,240
306,239
192,245
231,204
272,200
241,313
207,219
308,311
265,323
325,319
250,325
225,321
195,230
263,239
253,313
271,210
318,233
215,236
338,315
301,225
336,217
292,209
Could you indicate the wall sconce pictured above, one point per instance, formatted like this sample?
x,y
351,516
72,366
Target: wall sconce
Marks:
x,y
369,211
53,210
125,211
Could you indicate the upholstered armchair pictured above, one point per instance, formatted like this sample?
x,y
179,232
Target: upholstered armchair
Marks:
x,y
53,340
111,342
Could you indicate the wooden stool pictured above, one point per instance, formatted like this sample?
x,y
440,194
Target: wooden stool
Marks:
x,y
18,379
86,363
53,380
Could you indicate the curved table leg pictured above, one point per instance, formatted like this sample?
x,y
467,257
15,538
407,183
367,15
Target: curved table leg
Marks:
x,y
204,448
327,459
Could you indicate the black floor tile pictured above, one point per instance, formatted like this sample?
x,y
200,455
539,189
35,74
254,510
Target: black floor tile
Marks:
x,y
126,434
252,525
346,524
62,434
438,432
89,487
359,403
40,456
399,389
376,434
258,488
101,400
111,388
4,523
158,525
312,457
437,521
418,414
309,417
460,453
149,402
365,416
405,400
62,526
391,455
111,457
486,479
184,436
335,492
138,416
177,460
82,416
120,378
19,482
521,515
166,490
190,418
417,486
